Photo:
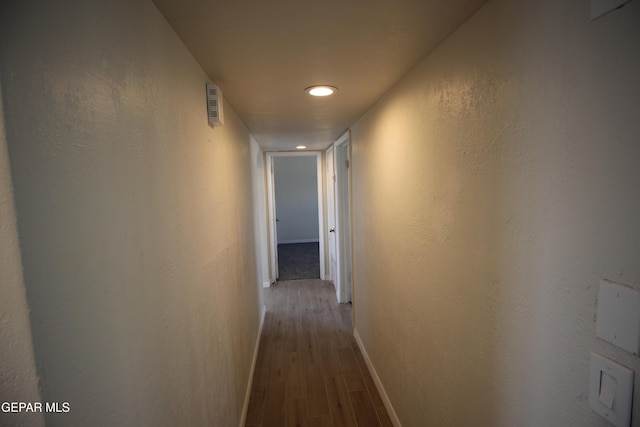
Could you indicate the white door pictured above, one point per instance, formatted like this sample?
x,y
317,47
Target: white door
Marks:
x,y
343,218
274,218
331,217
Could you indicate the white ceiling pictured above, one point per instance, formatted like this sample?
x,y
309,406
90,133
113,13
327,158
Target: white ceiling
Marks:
x,y
264,53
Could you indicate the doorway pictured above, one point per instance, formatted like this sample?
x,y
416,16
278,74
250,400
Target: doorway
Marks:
x,y
296,223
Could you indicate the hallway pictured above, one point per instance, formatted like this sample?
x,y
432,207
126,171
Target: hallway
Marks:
x,y
309,369
493,193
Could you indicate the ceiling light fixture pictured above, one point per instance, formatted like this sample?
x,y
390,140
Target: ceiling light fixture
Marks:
x,y
301,147
322,90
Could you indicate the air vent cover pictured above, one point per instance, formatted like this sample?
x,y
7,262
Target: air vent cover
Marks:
x,y
214,105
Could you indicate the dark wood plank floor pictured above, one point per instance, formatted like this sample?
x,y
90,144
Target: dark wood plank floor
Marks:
x,y
310,371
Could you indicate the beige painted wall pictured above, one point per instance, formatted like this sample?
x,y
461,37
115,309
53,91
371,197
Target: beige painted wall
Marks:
x,y
18,380
493,188
135,217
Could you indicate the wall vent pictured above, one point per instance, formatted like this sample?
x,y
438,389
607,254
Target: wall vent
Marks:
x,y
214,105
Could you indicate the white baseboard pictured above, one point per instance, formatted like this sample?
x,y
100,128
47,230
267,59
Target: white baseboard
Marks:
x,y
284,242
383,394
247,395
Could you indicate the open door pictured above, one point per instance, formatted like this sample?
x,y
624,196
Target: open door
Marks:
x,y
271,215
331,215
339,217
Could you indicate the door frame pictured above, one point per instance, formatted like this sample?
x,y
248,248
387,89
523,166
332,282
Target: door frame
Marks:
x,y
271,209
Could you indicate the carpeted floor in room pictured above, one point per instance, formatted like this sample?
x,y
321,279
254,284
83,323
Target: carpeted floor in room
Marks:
x,y
298,261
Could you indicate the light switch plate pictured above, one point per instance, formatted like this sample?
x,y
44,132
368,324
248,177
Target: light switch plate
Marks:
x,y
618,319
611,390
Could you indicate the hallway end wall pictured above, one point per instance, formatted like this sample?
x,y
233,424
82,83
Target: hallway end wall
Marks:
x,y
296,198
134,216
493,188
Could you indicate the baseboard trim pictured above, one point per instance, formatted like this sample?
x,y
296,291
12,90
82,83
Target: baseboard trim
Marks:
x,y
285,242
247,396
383,394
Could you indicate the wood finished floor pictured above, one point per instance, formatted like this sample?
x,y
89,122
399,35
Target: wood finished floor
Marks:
x,y
309,370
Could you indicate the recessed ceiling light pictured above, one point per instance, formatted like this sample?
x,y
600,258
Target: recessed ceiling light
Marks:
x,y
301,147
322,90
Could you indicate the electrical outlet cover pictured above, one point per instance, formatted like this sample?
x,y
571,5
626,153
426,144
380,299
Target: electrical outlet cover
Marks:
x,y
618,320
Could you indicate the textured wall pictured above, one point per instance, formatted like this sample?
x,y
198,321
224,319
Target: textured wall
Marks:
x,y
135,217
296,197
18,381
492,189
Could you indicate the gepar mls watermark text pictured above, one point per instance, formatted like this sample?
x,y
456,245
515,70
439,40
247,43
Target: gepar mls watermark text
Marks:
x,y
49,407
